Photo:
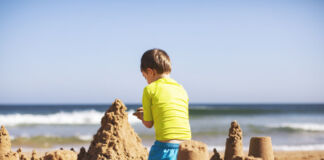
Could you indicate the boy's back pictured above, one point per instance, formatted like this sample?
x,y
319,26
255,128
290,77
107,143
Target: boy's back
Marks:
x,y
165,102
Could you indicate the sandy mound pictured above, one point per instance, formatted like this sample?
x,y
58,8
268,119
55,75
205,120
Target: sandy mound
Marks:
x,y
9,156
61,155
5,146
234,146
261,147
193,150
115,139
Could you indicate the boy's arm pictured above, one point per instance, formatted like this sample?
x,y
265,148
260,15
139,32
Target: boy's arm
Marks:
x,y
148,124
147,117
139,115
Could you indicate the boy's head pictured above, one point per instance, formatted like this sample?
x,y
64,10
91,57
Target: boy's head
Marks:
x,y
156,59
154,63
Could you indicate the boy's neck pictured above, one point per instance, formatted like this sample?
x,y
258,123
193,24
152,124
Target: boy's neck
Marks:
x,y
159,76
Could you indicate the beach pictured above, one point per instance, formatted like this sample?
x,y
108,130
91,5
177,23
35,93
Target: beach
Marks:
x,y
279,155
296,130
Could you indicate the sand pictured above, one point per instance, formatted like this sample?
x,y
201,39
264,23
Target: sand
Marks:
x,y
193,150
234,146
261,147
215,155
5,146
246,158
61,155
115,139
289,155
279,155
299,155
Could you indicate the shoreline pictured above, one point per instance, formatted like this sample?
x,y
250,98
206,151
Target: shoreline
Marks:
x,y
148,144
279,155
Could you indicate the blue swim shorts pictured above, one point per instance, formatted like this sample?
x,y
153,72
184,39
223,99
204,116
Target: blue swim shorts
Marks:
x,y
164,151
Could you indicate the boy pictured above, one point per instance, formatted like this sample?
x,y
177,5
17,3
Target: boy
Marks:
x,y
165,106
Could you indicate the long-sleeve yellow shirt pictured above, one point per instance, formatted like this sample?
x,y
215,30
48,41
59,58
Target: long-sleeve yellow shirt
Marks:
x,y
165,102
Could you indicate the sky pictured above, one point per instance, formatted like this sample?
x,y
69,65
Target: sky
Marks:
x,y
221,52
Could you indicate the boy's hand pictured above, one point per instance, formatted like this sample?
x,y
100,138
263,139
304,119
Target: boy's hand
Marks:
x,y
139,113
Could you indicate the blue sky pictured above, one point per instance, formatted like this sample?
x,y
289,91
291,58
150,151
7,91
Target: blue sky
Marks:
x,y
221,52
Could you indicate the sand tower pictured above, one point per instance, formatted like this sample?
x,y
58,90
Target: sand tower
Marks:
x,y
193,150
5,146
234,146
115,139
261,147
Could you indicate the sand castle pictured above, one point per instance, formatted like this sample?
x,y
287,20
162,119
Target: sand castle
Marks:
x,y
234,146
193,150
5,146
115,139
261,147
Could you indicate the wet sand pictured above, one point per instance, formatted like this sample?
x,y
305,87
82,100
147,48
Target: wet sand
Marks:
x,y
279,155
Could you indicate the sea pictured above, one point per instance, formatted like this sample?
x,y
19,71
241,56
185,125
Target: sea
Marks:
x,y
290,126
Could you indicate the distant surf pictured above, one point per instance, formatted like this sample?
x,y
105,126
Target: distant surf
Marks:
x,y
83,117
315,127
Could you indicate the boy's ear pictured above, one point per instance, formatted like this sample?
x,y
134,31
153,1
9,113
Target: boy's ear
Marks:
x,y
154,72
150,71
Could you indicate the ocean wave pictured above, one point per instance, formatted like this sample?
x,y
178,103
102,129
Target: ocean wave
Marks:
x,y
207,111
255,109
84,117
314,127
309,147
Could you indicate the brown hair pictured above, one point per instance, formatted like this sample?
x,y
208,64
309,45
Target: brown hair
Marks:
x,y
156,59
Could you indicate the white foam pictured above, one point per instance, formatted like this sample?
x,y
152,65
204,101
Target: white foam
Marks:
x,y
300,126
84,117
309,147
85,137
131,118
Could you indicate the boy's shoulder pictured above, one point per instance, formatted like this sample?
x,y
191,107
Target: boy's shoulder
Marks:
x,y
162,82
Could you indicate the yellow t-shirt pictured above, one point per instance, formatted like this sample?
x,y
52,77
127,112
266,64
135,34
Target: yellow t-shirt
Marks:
x,y
165,102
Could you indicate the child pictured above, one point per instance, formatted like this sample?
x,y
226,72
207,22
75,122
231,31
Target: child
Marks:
x,y
165,106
